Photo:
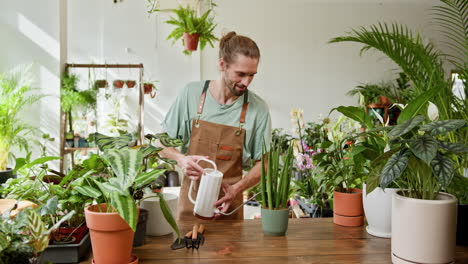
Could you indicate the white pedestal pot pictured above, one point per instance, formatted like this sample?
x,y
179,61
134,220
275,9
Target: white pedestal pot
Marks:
x,y
157,224
378,211
423,231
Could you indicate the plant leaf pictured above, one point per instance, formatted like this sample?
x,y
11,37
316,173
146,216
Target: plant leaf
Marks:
x,y
425,147
400,130
395,166
126,207
356,113
415,107
126,164
454,147
148,177
165,209
443,169
88,191
443,126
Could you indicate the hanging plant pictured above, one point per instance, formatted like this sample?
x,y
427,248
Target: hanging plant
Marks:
x,y
101,83
130,83
118,84
150,88
192,28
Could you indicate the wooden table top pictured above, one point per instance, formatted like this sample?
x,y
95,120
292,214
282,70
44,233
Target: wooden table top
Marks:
x,y
308,240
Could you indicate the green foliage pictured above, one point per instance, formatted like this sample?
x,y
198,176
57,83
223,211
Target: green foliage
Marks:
x,y
166,140
420,156
276,178
187,21
24,237
15,95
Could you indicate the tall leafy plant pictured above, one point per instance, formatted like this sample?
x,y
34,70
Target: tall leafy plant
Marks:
x,y
421,157
276,176
15,96
423,63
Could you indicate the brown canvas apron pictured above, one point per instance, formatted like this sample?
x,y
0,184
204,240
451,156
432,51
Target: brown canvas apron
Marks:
x,y
222,144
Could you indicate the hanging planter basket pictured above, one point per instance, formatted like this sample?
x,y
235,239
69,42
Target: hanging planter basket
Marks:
x,y
148,88
101,83
191,41
130,83
118,84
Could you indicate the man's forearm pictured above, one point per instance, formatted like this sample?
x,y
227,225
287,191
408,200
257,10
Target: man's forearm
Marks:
x,y
169,152
251,179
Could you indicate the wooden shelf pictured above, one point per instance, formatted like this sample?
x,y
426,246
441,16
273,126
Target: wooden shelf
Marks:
x,y
69,150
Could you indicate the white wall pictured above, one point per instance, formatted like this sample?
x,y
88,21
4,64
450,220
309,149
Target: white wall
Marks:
x,y
30,32
298,68
102,32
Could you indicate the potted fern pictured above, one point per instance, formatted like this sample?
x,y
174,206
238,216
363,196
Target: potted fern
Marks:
x,y
276,189
192,28
15,88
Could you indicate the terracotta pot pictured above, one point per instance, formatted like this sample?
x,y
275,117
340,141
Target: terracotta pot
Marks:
x,y
347,208
191,41
130,83
133,260
423,231
111,236
118,84
101,83
384,100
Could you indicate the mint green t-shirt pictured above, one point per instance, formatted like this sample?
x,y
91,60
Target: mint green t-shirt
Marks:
x,y
178,121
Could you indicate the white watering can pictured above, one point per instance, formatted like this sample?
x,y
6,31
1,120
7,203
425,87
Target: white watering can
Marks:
x,y
208,193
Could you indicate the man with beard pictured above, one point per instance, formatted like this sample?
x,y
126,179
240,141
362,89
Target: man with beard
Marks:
x,y
223,121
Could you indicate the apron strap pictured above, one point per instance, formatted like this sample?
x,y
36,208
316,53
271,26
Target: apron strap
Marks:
x,y
202,103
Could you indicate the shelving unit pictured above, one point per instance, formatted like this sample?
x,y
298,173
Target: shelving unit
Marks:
x,y
63,117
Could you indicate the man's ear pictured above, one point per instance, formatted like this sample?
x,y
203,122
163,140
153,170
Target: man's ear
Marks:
x,y
222,65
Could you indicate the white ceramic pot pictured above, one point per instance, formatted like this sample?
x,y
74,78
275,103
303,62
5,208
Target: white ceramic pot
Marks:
x,y
157,224
423,231
378,211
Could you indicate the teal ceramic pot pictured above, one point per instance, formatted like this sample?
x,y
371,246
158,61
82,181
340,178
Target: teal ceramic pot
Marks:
x,y
275,222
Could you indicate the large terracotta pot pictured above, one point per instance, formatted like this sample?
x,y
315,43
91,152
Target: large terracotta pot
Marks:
x,y
378,211
347,208
423,231
111,236
191,41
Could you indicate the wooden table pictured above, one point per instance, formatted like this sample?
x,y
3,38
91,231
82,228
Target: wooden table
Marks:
x,y
308,240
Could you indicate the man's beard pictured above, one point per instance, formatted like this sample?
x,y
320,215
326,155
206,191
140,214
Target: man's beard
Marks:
x,y
232,87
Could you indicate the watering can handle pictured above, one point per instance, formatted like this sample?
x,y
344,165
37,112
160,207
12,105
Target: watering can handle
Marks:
x,y
191,182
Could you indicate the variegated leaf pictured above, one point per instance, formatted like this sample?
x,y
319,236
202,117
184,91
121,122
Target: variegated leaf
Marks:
x,y
425,147
106,143
395,166
406,127
126,207
165,209
88,191
114,187
126,164
443,169
454,147
148,177
443,126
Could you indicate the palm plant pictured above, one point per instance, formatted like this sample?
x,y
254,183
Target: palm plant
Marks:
x,y
187,21
15,89
423,63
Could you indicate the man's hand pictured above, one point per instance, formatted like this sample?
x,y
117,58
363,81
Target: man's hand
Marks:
x,y
190,167
225,202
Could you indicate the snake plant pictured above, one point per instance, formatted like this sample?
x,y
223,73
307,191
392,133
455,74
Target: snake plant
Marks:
x,y
276,178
